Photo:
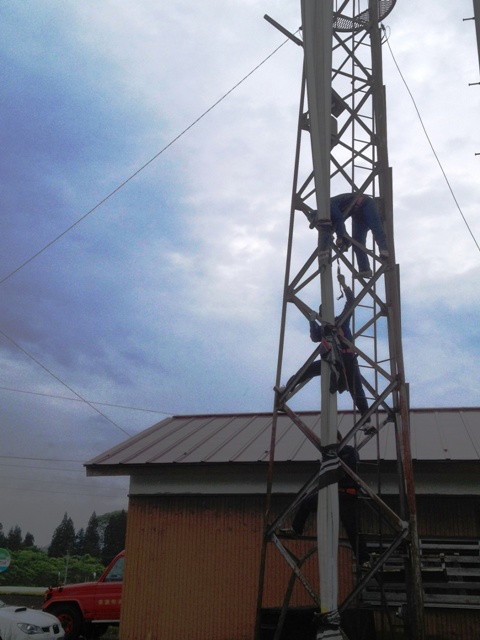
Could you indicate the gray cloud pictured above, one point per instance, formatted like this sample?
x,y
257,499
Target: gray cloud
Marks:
x,y
168,296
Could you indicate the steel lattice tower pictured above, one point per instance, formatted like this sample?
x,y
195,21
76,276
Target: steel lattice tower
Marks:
x,y
342,148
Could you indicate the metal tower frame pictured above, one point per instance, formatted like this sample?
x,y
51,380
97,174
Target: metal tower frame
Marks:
x,y
342,147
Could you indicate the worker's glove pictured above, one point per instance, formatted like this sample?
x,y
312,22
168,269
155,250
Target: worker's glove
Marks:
x,y
343,244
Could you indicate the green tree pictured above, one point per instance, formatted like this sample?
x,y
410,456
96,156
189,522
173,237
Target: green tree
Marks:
x,y
3,540
63,539
29,540
34,568
31,567
14,538
85,568
80,542
92,538
114,536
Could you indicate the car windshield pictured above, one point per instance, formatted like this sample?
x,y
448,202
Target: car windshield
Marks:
x,y
3,604
116,572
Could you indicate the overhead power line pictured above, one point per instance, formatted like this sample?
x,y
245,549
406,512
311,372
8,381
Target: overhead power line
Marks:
x,y
120,494
135,174
429,140
107,197
63,383
40,459
35,468
42,480
103,404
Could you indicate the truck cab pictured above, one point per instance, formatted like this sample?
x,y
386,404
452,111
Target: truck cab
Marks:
x,y
88,607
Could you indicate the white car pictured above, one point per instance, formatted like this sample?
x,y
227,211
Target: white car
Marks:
x,y
20,623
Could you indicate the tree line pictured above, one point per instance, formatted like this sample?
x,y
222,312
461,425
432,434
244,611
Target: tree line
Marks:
x,y
72,556
103,538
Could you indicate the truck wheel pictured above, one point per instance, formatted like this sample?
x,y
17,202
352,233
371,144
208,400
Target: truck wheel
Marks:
x,y
70,618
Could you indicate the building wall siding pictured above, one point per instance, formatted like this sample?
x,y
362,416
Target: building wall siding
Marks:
x,y
441,516
192,566
452,624
194,570
449,516
195,567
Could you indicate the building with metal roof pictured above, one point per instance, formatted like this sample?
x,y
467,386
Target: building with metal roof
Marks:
x,y
197,502
202,443
436,434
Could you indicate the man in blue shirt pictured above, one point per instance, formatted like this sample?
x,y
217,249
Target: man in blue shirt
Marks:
x,y
365,217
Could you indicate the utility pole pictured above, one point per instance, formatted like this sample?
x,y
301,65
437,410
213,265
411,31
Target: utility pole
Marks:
x,y
476,17
342,149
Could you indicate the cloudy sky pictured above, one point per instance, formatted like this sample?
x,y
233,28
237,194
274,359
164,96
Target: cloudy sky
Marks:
x,y
122,305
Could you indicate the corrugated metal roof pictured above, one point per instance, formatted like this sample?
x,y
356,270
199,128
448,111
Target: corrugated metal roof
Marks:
x,y
436,434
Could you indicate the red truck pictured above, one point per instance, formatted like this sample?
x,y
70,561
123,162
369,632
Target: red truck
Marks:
x,y
88,608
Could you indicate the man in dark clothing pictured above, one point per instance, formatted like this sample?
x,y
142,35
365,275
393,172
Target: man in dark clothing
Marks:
x,y
363,212
347,504
352,379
